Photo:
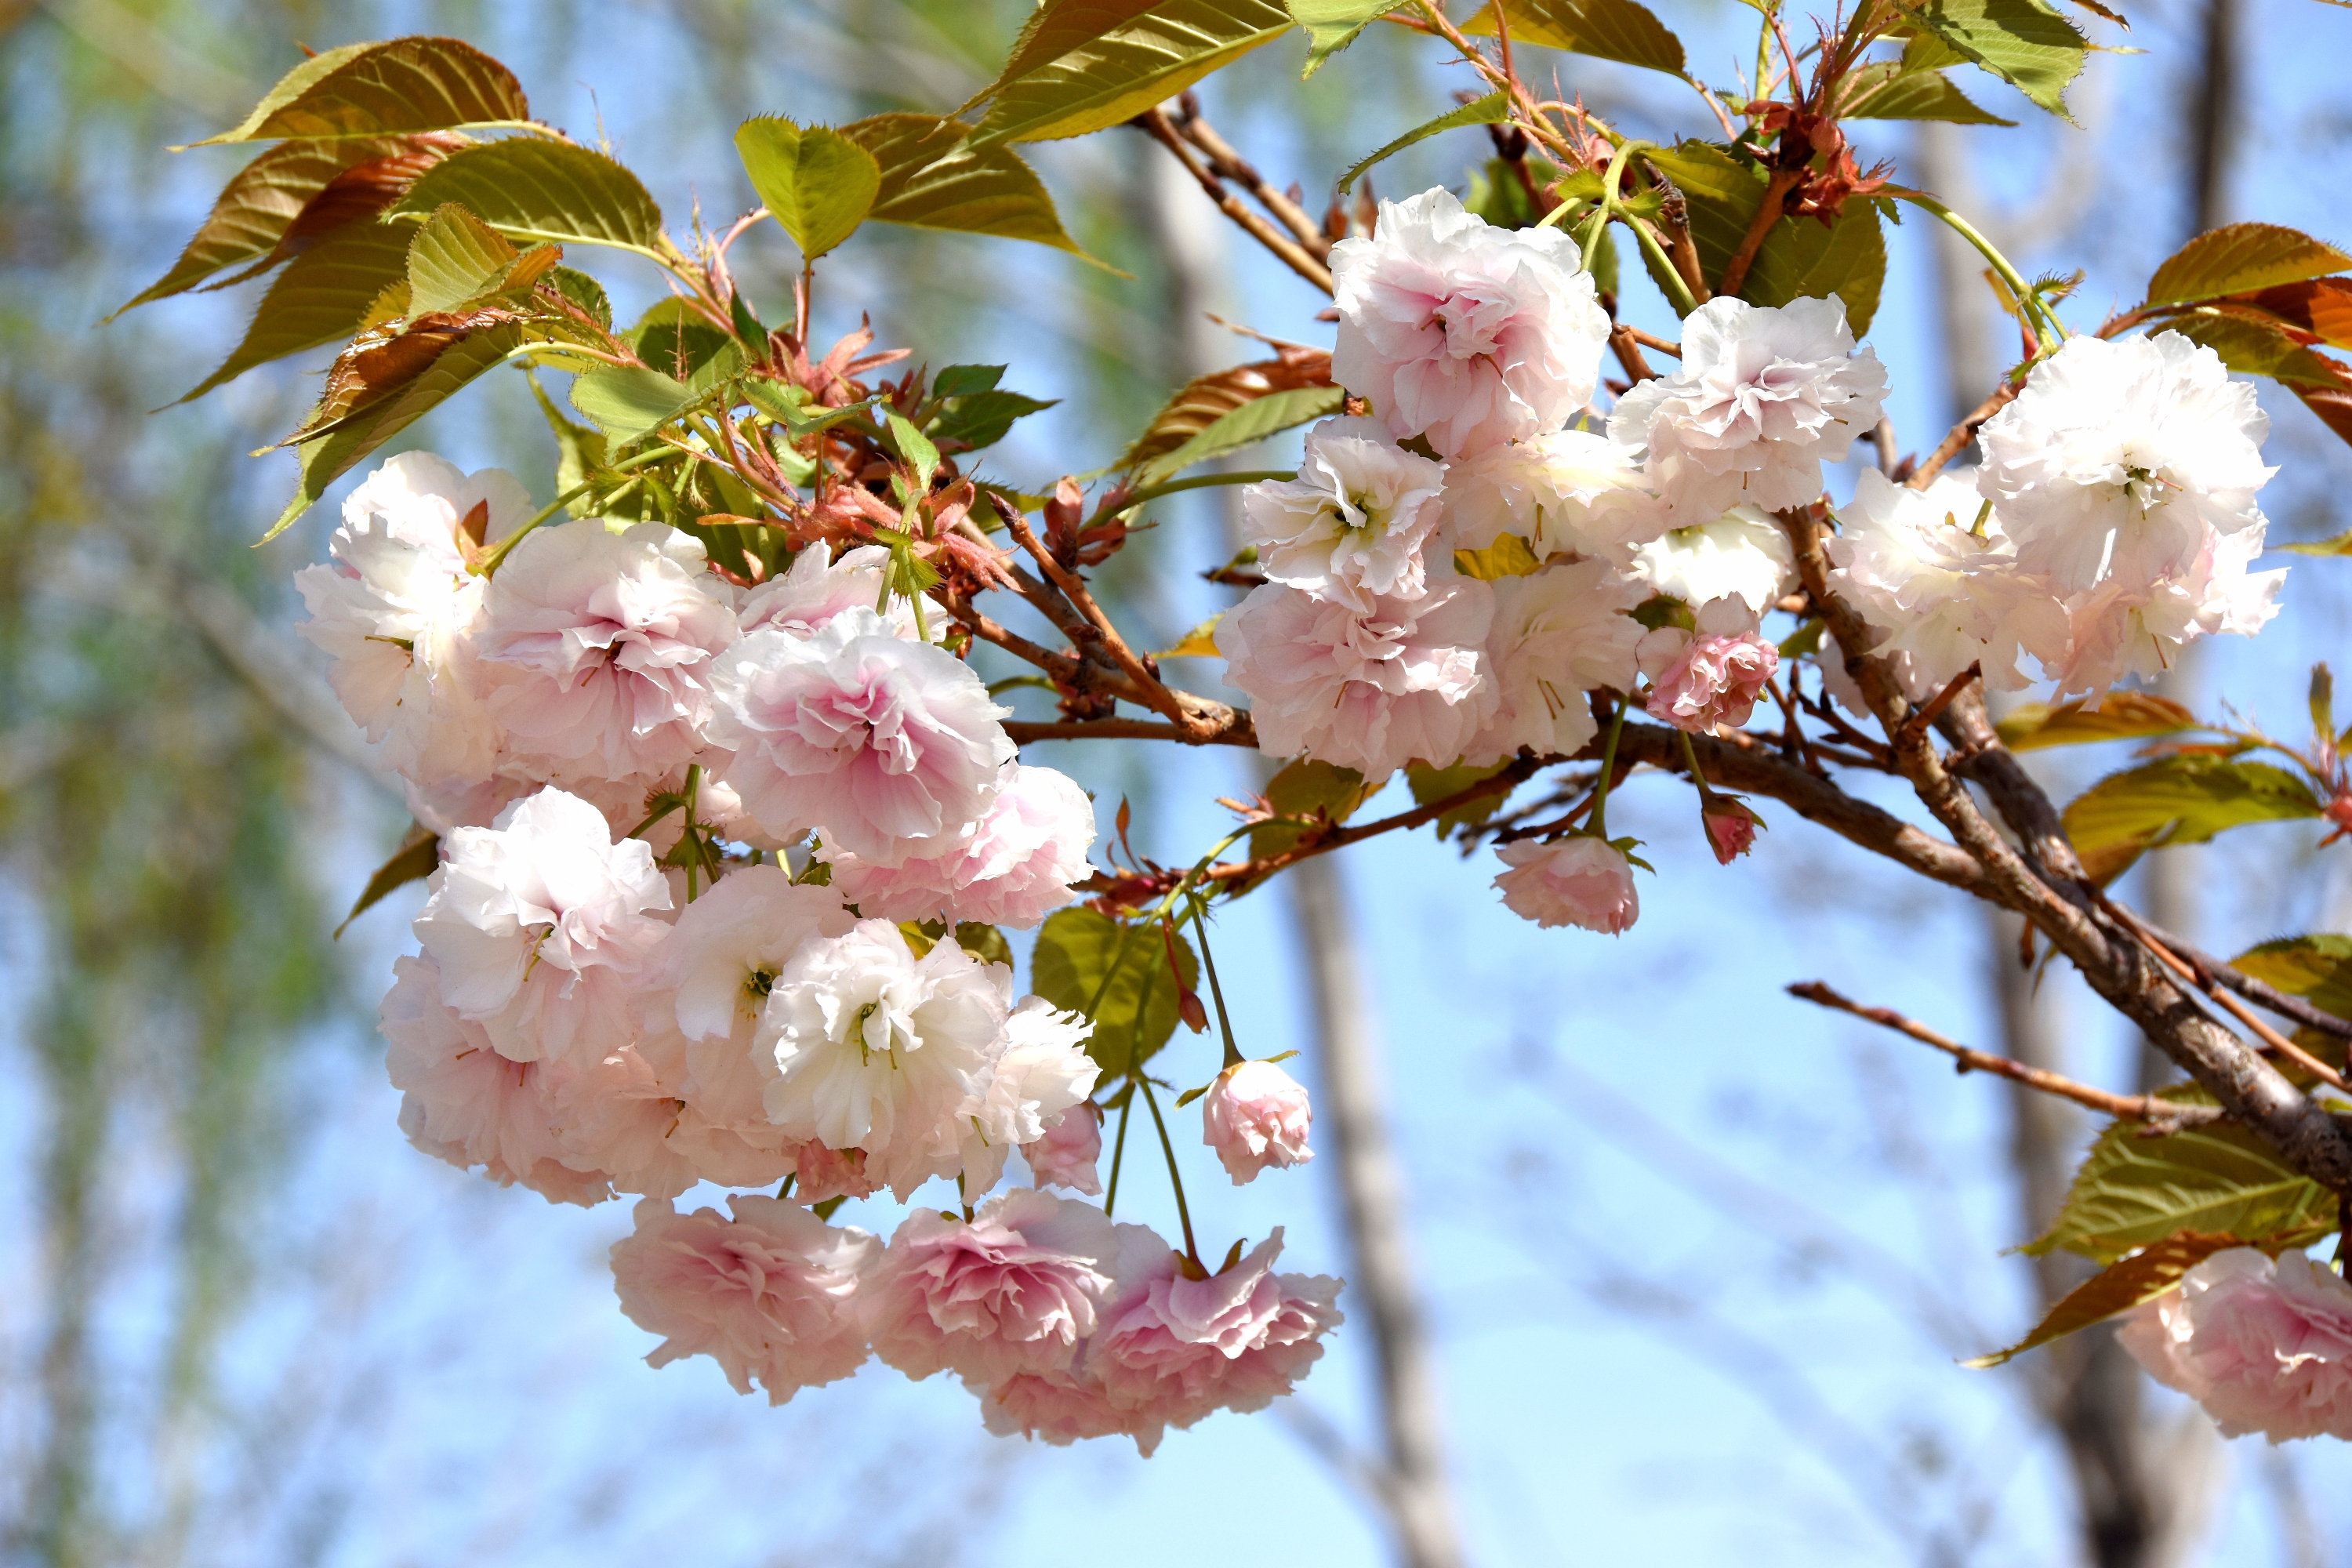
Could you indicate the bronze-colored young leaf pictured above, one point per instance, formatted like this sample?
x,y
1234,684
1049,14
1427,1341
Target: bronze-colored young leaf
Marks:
x,y
2133,1190
1081,65
932,179
548,191
2118,716
2338,544
319,299
1205,400
1621,30
418,856
2185,799
2024,42
2118,1287
374,89
1201,642
818,184
289,197
2238,258
2252,345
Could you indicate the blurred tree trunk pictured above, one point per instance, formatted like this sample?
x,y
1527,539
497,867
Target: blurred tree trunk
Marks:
x,y
2143,1489
1350,1117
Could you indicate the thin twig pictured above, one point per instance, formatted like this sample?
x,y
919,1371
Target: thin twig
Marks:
x,y
1286,249
2205,981
2145,1107
1961,435
1231,166
2260,993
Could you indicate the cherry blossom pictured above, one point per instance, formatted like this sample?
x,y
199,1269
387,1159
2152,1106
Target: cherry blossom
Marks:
x,y
1011,868
2264,1346
1043,1071
2122,458
1763,397
1369,689
814,588
769,1294
1575,881
1466,333
1351,526
1557,635
1718,672
1016,1289
599,645
1254,1116
1565,492
1742,554
882,745
1068,1150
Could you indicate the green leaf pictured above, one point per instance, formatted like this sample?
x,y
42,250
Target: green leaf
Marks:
x,y
1081,65
319,299
2024,42
1720,194
1332,25
265,199
675,339
912,446
817,183
1311,792
932,179
2220,1179
1430,785
2120,716
797,409
981,419
964,380
1118,977
1245,425
581,454
1892,90
333,451
2184,799
1496,194
2255,348
457,258
583,291
418,856
2316,968
370,90
2240,257
533,190
1617,30
630,401
1802,260
1492,109
2118,1287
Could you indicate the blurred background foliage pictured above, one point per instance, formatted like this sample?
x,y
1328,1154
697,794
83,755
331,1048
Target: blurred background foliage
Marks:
x,y
221,1345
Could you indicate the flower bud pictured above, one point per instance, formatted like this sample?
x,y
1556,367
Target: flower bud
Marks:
x,y
1254,1116
1731,828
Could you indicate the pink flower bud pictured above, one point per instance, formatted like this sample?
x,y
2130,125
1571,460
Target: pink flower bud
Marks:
x,y
1714,680
1730,828
1569,883
1254,1116
831,1173
1067,1153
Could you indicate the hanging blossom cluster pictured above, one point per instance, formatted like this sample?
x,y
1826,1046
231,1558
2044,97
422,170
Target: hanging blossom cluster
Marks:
x,y
2112,523
623,985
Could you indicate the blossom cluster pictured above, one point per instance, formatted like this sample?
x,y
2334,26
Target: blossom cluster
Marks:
x,y
1459,573
624,984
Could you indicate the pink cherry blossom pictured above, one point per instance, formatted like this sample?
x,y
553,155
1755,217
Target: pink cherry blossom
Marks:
x,y
1369,689
1557,635
1730,826
1764,397
1171,1348
769,1295
1011,868
1578,881
815,589
1012,1290
1566,491
1254,1116
886,747
600,644
1043,1070
1352,525
1719,673
2263,1346
539,926
2121,628
1067,1153
822,1173
1469,335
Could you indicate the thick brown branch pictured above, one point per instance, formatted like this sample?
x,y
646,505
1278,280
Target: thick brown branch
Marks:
x,y
2260,993
1285,249
2238,1010
2159,1113
1024,731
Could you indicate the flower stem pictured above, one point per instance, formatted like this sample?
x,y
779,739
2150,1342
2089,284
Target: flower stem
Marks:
x,y
1690,759
1118,1153
1216,991
490,562
1176,1177
2026,300
1608,771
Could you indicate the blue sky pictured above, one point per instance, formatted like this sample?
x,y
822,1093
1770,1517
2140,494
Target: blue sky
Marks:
x,y
1675,1227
